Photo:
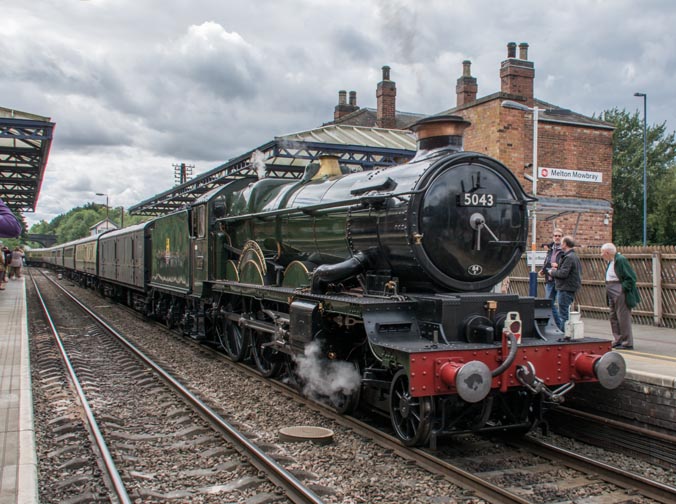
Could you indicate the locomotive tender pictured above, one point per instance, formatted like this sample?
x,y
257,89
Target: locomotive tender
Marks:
x,y
384,278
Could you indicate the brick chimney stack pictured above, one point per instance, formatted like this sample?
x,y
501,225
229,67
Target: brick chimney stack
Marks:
x,y
466,88
342,109
516,75
386,94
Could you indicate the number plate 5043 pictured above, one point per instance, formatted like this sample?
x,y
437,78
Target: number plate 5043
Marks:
x,y
476,199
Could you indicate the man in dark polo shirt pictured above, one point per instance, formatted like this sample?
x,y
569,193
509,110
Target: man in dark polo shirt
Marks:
x,y
567,275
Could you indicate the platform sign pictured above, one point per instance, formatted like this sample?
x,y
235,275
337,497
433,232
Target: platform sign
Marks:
x,y
573,175
540,256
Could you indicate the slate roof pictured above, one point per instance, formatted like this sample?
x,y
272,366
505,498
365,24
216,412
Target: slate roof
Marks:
x,y
552,113
367,117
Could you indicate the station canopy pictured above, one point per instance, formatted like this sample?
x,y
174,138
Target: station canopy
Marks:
x,y
25,141
358,148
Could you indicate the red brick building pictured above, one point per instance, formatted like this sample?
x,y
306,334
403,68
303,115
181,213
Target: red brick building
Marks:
x,y
574,152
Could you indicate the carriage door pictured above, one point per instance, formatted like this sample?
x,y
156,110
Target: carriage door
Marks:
x,y
199,244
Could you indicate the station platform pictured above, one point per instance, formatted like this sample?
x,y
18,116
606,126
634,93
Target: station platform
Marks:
x,y
18,468
650,366
653,359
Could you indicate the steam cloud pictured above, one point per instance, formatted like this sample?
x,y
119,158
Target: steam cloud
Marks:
x,y
325,379
258,160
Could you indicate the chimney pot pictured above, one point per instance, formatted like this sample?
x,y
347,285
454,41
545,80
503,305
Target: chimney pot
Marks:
x,y
523,51
386,73
511,50
466,72
343,109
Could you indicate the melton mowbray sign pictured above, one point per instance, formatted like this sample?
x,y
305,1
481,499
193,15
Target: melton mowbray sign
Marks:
x,y
576,175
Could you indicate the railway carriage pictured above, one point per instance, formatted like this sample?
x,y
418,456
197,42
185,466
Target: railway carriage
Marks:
x,y
39,256
124,264
86,259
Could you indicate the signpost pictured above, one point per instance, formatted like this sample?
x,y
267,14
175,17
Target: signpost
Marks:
x,y
573,175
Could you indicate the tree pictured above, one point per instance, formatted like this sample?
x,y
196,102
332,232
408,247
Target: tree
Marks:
x,y
663,221
76,223
628,179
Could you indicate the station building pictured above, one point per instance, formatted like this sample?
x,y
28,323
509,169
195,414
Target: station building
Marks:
x,y
574,152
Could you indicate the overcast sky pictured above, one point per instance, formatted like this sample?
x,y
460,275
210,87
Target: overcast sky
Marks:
x,y
135,86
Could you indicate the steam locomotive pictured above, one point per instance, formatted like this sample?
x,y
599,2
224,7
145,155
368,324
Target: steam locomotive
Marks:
x,y
372,289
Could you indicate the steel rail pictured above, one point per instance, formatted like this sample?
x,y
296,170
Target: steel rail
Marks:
x,y
662,436
652,489
111,469
295,490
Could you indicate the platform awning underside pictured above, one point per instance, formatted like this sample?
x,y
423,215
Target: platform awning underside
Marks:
x,y
24,150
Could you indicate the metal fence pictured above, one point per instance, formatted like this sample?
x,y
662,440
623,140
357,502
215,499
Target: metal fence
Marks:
x,y
655,269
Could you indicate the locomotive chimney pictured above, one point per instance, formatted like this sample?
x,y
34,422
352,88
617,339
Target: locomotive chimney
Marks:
x,y
466,88
443,131
517,75
343,109
386,94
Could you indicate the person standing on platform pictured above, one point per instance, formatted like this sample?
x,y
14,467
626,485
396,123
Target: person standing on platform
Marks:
x,y
9,225
553,256
567,274
17,263
9,228
622,295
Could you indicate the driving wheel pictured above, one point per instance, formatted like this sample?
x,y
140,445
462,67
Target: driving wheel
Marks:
x,y
411,416
268,361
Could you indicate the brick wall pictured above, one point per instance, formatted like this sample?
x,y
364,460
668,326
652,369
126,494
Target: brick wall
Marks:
x,y
641,398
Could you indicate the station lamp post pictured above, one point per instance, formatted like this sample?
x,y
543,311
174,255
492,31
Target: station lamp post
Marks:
x,y
645,168
533,277
104,194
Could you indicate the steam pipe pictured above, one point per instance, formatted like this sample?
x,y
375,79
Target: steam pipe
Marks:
x,y
510,358
329,273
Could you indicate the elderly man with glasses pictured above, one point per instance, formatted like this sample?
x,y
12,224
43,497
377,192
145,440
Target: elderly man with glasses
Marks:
x,y
553,258
622,295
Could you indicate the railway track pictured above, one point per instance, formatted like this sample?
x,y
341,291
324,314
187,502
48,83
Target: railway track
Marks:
x,y
498,471
653,446
120,395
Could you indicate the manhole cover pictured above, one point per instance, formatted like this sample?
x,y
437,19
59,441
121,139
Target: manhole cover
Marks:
x,y
318,435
